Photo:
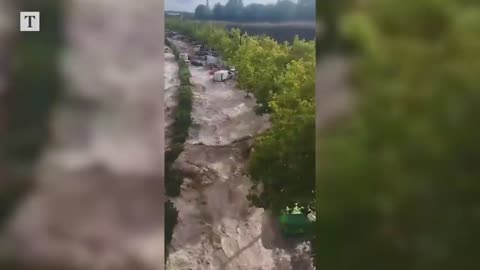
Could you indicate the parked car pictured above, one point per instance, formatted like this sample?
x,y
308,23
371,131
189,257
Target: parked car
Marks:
x,y
197,63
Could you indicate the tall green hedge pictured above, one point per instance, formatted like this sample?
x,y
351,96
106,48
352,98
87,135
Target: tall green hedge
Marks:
x,y
181,126
398,184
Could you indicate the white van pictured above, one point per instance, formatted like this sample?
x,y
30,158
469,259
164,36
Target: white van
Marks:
x,y
197,48
221,75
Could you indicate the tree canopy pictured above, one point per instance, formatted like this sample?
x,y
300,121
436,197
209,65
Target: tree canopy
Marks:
x,y
284,10
282,78
397,184
202,12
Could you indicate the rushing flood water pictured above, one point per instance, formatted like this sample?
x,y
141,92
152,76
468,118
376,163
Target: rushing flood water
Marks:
x,y
171,86
217,228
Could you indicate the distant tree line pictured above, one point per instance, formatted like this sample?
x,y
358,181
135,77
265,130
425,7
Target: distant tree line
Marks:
x,y
234,10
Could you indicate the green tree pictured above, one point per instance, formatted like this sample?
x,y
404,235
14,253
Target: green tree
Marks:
x,y
282,77
218,12
397,187
283,160
284,10
306,10
233,9
171,219
202,12
254,12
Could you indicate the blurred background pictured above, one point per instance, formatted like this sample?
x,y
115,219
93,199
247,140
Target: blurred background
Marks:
x,y
81,157
81,134
29,88
397,138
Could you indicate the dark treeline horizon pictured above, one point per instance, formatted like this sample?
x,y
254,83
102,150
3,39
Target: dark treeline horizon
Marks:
x,y
235,10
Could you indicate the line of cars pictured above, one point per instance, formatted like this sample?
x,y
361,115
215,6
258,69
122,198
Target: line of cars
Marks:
x,y
203,56
210,58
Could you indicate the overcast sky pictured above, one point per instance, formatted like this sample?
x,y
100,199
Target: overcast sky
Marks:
x,y
190,5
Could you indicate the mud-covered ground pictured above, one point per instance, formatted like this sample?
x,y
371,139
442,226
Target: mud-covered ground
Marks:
x,y
217,228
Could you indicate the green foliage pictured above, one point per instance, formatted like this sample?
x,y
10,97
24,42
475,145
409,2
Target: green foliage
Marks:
x,y
284,158
181,125
171,219
397,186
173,177
282,78
184,73
183,111
202,12
174,181
174,49
234,10
218,12
259,60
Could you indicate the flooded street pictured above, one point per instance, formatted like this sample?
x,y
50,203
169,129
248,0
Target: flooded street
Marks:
x,y
217,227
221,113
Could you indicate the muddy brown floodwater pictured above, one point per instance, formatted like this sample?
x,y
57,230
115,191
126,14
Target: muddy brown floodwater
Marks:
x,y
172,82
217,228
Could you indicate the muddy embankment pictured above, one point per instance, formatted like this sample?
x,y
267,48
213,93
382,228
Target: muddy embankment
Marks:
x,y
217,228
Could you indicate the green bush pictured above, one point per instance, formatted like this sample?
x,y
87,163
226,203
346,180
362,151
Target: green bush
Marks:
x,y
175,181
181,126
171,219
184,73
171,155
398,184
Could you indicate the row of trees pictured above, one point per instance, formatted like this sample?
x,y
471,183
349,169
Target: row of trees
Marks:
x,y
234,10
398,185
183,120
180,127
282,77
